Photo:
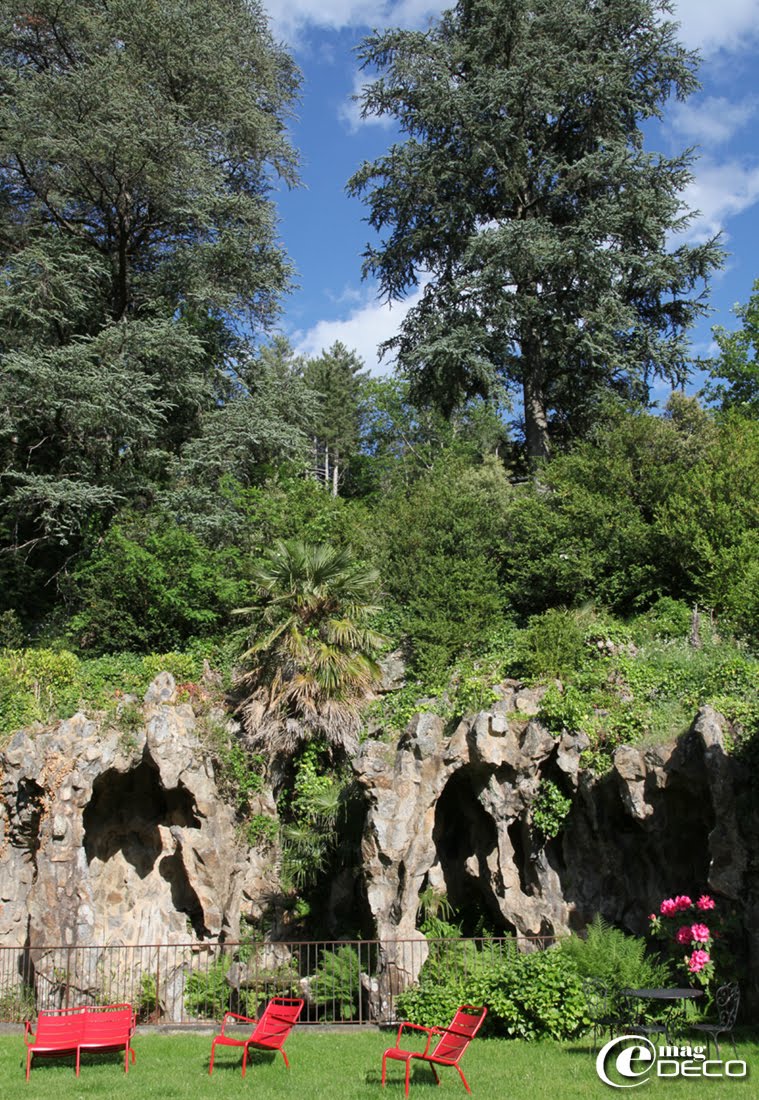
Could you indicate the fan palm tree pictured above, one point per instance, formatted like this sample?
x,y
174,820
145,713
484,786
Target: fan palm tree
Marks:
x,y
313,661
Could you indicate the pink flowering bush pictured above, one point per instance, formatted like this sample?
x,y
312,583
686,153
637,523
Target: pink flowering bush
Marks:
x,y
698,961
695,936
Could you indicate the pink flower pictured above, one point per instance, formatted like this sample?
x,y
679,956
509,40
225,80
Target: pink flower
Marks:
x,y
698,961
652,916
684,934
667,907
682,902
705,902
699,933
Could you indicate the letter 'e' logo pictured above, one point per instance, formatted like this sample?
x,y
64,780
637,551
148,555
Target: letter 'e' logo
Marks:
x,y
626,1061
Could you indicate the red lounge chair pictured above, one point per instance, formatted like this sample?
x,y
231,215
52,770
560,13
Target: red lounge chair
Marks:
x,y
453,1042
269,1033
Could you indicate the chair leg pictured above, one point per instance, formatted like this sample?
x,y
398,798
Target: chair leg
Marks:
x,y
384,1068
463,1078
408,1072
244,1059
282,1052
716,1043
78,1058
213,1055
28,1063
434,1074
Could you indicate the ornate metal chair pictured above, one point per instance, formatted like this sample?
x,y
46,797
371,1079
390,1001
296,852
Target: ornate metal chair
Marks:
x,y
635,1023
598,998
728,1001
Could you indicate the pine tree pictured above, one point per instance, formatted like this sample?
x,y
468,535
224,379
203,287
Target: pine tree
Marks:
x,y
524,197
139,144
336,375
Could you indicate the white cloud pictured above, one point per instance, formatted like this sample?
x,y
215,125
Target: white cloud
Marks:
x,y
349,112
711,121
705,24
363,330
712,25
720,191
290,17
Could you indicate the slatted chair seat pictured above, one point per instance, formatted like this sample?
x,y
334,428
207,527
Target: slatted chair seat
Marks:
x,y
269,1031
450,1048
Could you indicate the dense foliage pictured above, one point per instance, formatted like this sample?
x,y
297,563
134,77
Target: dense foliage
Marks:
x,y
525,201
533,995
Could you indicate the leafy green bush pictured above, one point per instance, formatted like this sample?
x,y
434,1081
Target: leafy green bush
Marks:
x,y
529,996
208,994
549,809
151,584
618,960
553,645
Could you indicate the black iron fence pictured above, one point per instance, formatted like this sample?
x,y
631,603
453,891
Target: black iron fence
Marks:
x,y
345,981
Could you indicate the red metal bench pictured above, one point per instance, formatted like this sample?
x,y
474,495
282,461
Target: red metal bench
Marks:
x,y
62,1031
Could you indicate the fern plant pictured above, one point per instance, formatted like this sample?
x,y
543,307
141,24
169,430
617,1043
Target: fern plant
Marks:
x,y
618,960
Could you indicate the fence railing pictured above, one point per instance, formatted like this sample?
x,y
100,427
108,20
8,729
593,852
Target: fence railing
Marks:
x,y
347,981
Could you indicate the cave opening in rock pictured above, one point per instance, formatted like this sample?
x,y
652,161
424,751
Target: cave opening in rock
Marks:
x,y
465,837
123,818
620,866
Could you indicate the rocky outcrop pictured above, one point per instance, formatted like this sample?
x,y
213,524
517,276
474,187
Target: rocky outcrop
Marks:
x,y
115,835
453,810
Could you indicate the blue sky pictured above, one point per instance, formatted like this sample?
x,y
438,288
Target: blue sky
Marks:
x,y
324,231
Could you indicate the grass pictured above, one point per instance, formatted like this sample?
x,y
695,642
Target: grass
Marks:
x,y
327,1065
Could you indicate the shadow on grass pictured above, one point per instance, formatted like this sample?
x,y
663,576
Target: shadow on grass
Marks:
x,y
233,1063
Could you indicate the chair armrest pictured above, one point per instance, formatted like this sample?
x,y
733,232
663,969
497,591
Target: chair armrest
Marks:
x,y
236,1016
28,1031
429,1031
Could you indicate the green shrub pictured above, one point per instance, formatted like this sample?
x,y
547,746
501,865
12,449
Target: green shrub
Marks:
x,y
208,994
529,996
536,996
554,646
151,584
666,618
618,960
549,809
336,985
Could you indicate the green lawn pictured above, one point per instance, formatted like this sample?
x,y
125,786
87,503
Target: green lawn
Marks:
x,y
337,1065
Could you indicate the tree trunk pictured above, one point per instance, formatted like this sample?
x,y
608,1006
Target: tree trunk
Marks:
x,y
535,414
335,468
